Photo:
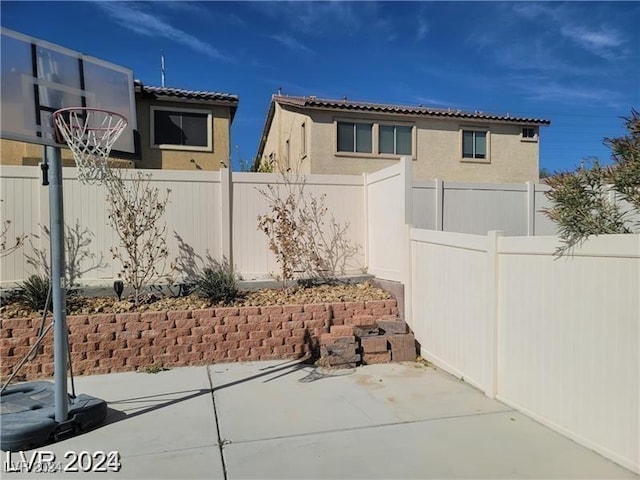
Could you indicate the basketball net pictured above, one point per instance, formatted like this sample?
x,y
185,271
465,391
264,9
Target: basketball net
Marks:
x,y
90,134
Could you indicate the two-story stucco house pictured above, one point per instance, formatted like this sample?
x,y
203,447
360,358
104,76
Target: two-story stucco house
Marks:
x,y
177,130
349,137
184,129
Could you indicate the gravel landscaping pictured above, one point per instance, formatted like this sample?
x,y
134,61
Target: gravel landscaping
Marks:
x,y
83,305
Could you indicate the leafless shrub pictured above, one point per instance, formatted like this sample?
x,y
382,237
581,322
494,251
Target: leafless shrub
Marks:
x,y
135,210
305,237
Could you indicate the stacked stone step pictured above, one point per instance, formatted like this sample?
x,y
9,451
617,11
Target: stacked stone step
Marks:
x,y
367,339
383,339
402,343
375,349
339,348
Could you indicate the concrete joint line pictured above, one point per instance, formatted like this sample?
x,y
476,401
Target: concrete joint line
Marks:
x,y
221,442
381,425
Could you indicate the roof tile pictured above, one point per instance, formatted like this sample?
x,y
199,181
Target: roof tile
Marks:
x,y
399,109
189,94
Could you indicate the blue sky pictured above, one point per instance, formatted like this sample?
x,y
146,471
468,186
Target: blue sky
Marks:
x,y
576,64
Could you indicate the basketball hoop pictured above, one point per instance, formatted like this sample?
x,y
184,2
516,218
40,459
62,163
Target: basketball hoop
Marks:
x,y
90,133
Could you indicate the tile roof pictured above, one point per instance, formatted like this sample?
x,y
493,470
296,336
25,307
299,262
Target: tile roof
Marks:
x,y
191,94
313,102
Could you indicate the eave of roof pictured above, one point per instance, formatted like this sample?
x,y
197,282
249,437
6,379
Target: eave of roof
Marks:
x,y
368,107
191,96
328,104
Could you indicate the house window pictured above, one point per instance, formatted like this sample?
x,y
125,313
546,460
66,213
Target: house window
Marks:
x,y
395,139
181,129
355,137
474,144
529,133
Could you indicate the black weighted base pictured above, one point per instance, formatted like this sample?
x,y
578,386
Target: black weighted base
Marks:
x,y
27,416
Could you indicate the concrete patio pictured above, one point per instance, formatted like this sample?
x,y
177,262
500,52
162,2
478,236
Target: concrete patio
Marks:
x,y
275,420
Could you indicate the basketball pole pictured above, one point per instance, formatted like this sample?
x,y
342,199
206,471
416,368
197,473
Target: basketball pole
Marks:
x,y
58,287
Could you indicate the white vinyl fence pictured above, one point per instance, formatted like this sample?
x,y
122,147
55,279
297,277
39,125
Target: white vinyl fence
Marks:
x,y
556,338
388,214
478,208
210,214
192,218
343,197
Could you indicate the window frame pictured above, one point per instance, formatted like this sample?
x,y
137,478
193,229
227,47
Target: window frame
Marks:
x,y
170,146
355,139
395,124
529,139
375,136
475,128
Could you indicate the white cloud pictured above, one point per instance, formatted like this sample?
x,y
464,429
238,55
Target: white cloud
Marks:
x,y
602,43
319,18
568,94
290,42
571,23
423,29
181,6
133,18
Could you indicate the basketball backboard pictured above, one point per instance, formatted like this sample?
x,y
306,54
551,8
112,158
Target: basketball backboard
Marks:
x,y
39,78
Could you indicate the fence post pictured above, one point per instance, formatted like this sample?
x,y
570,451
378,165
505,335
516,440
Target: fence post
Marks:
x,y
439,204
531,209
226,198
407,177
492,308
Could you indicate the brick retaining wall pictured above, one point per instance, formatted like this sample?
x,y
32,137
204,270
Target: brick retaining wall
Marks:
x,y
108,343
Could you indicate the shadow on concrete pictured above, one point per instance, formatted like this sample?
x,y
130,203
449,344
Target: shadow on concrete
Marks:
x,y
160,400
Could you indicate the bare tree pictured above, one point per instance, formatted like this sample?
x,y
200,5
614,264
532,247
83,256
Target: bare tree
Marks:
x,y
135,210
304,236
281,225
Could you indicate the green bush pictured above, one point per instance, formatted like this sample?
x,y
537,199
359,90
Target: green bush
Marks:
x,y
34,292
218,283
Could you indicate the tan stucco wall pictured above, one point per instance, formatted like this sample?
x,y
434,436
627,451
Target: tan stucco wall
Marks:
x,y
438,152
20,153
153,157
287,125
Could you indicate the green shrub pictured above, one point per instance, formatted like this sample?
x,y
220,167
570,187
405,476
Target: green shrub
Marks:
x,y
34,292
218,283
